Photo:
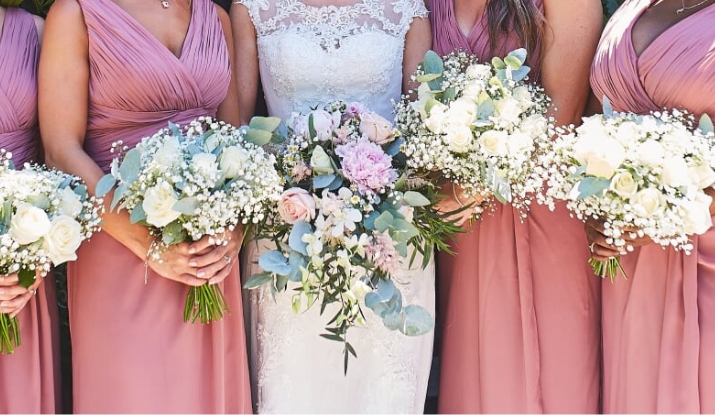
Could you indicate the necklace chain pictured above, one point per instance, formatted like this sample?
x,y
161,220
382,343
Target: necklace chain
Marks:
x,y
685,8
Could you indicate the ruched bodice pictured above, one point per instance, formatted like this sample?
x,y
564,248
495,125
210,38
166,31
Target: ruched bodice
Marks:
x,y
447,36
19,47
135,91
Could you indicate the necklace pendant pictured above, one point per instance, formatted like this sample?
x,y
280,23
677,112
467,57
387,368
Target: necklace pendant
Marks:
x,y
680,11
165,4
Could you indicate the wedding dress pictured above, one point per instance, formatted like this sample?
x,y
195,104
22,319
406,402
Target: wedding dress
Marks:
x,y
309,55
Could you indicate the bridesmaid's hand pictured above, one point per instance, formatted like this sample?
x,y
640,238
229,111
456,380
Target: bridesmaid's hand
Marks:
x,y
456,199
213,262
601,250
175,266
13,296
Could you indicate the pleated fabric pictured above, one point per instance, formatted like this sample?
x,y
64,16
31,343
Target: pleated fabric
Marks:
x,y
519,304
132,352
659,325
29,378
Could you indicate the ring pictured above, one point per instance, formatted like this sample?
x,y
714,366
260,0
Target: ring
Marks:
x,y
590,247
228,259
34,292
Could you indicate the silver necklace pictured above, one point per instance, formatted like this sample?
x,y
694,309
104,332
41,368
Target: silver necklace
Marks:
x,y
686,8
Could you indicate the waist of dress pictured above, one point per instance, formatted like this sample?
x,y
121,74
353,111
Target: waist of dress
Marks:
x,y
107,126
23,144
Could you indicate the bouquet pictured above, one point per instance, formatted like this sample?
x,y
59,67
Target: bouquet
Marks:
x,y
349,213
44,217
642,175
203,180
480,126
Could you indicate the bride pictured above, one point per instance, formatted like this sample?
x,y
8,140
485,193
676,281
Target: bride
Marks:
x,y
308,52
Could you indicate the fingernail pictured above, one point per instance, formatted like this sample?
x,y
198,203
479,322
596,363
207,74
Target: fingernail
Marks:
x,y
2,291
192,263
192,250
212,282
201,274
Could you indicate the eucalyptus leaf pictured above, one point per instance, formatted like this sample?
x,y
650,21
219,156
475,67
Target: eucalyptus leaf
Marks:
x,y
258,137
26,277
427,77
706,124
175,131
407,229
433,63
520,54
258,280
520,74
81,191
449,95
187,206
384,221
131,166
498,64
118,194
590,186
393,321
369,220
401,182
486,109
105,185
137,214
174,233
513,62
607,107
295,240
336,184
415,199
265,123
394,147
194,149
39,201
296,261
417,321
274,261
321,182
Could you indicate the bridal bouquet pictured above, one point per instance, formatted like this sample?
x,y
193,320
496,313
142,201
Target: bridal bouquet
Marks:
x,y
480,126
349,213
203,180
44,217
641,175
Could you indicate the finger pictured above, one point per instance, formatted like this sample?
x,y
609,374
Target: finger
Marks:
x,y
15,302
213,269
222,274
9,293
202,244
35,285
24,301
210,257
603,253
191,280
11,279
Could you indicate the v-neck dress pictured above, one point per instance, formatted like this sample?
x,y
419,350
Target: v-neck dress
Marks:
x,y
29,378
132,351
519,304
659,325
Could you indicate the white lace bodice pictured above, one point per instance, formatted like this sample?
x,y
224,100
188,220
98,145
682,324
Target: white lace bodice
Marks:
x,y
360,46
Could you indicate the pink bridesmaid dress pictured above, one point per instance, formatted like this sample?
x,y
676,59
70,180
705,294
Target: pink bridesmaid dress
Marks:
x,y
659,325
29,378
520,307
132,351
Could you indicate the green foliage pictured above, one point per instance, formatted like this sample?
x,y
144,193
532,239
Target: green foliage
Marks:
x,y
39,7
609,7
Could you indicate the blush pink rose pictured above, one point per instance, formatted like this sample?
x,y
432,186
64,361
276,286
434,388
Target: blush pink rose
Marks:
x,y
296,204
376,128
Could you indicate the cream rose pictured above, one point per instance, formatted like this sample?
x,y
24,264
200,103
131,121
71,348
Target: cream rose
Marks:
x,y
29,224
605,158
627,133
624,185
494,142
377,129
159,204
519,143
509,109
436,120
675,172
651,153
204,164
479,71
459,139
63,239
168,153
535,125
648,202
296,204
232,161
70,204
320,162
697,215
702,176
462,112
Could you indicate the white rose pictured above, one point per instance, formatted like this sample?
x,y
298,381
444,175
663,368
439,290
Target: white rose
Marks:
x,y
436,119
535,125
697,215
70,204
605,158
509,109
519,143
459,139
651,153
593,125
159,204
702,176
423,95
494,142
233,161
522,94
624,185
584,146
204,164
462,112
320,162
168,153
648,202
627,133
29,224
63,239
675,172
472,90
479,71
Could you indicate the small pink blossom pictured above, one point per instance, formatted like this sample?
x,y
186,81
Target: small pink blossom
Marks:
x,y
301,171
355,109
382,252
366,166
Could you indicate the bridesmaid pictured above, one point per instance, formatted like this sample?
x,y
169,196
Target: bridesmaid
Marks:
x,y
121,69
659,324
520,307
29,378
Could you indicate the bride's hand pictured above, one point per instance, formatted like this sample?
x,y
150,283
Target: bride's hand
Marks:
x,y
456,199
213,262
13,296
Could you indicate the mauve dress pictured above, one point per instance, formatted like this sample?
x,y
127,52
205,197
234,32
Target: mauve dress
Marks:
x,y
659,325
132,351
519,304
29,378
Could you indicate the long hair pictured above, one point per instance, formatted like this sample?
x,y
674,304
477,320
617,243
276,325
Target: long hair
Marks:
x,y
521,17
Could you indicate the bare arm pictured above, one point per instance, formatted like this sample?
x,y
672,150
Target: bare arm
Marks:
x,y
246,60
417,43
229,110
572,33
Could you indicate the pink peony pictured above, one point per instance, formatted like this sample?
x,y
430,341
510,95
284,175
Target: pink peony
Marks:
x,y
376,128
296,204
366,166
381,251
324,123
354,109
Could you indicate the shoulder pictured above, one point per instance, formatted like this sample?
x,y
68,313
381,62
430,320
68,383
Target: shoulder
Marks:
x,y
224,19
573,9
409,9
39,25
69,11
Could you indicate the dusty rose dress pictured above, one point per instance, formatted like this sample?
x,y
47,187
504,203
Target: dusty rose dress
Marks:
x,y
132,352
659,325
29,378
519,305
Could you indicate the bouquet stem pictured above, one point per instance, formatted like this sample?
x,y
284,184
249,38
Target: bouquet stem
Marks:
x,y
205,303
608,268
9,334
